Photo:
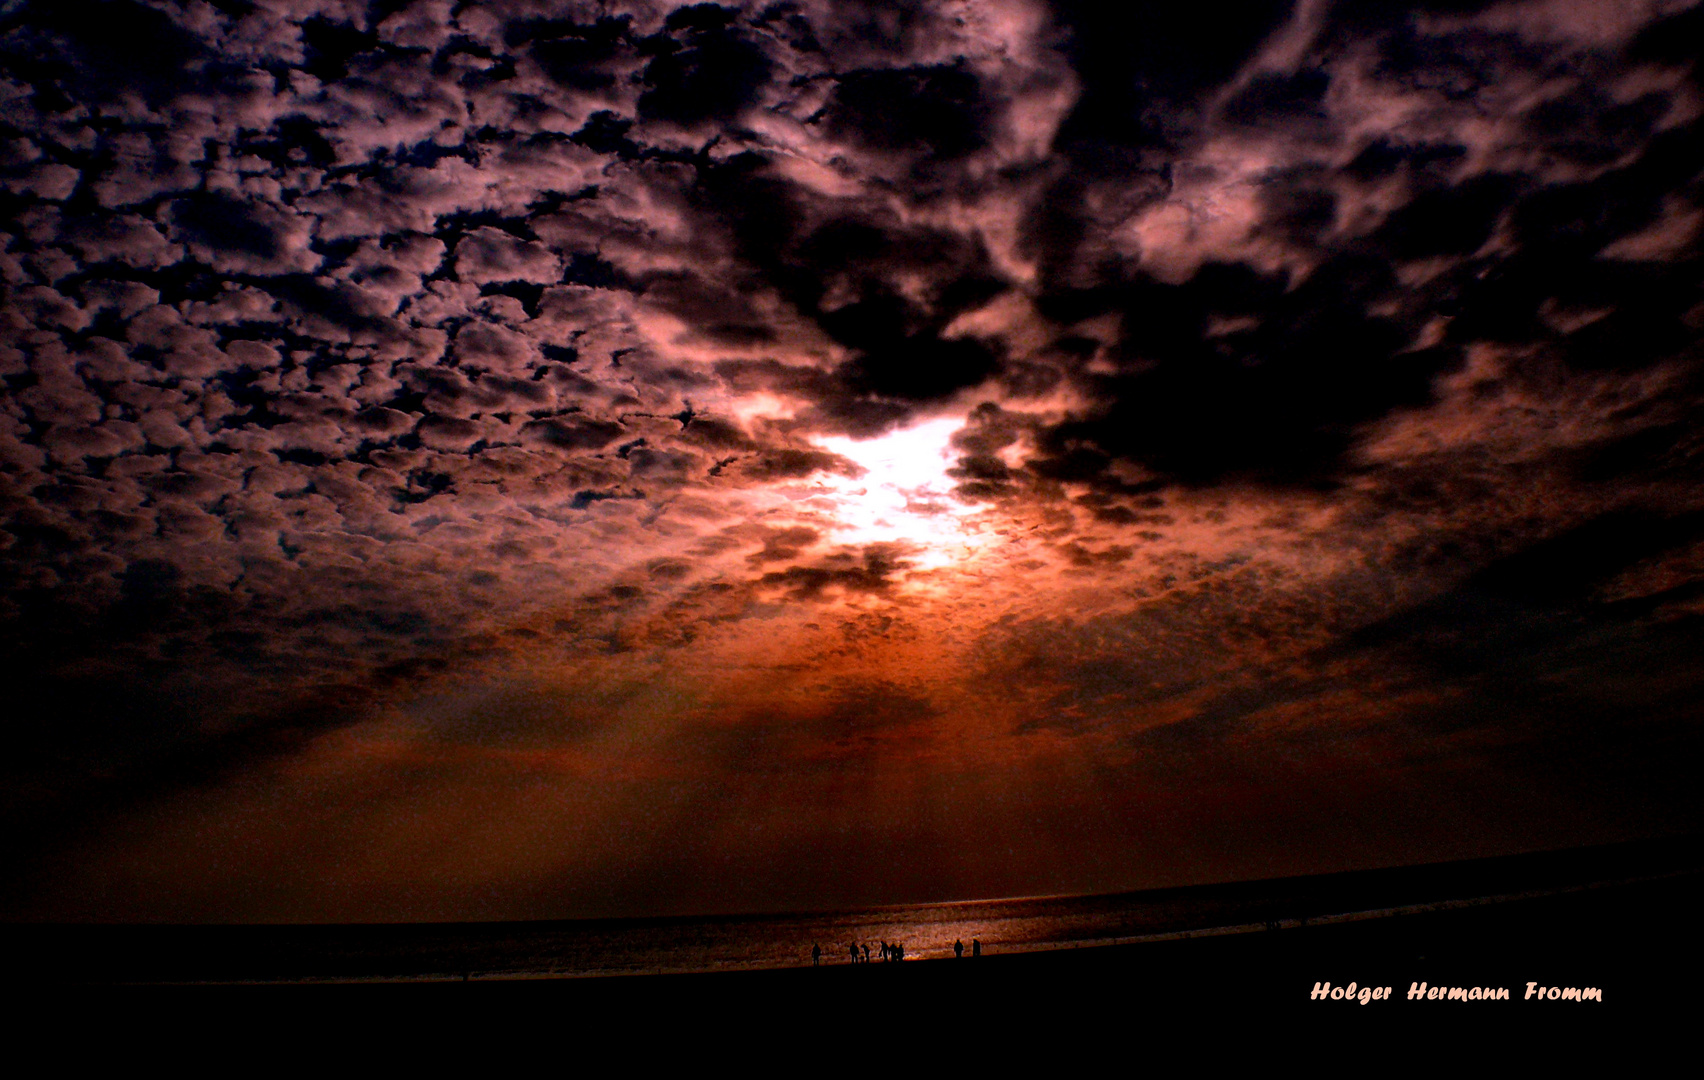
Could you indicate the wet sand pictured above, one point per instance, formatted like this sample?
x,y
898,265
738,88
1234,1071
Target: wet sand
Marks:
x,y
1635,940
1638,943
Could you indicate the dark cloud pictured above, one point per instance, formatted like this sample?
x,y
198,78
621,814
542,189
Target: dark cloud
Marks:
x,y
578,57
100,48
939,111
1277,401
873,573
831,724
1146,68
702,67
1287,99
1267,399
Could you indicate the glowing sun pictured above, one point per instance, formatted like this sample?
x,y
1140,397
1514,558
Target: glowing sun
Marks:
x,y
905,495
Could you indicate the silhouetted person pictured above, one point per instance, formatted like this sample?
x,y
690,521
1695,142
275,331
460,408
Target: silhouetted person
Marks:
x,y
853,949
887,952
816,955
866,952
975,948
898,950
958,950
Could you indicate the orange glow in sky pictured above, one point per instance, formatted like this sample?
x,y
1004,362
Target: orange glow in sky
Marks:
x,y
524,460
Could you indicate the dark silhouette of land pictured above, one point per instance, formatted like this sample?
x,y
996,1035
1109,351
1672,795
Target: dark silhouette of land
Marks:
x,y
1622,919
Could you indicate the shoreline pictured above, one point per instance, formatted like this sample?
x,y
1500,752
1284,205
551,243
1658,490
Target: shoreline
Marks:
x,y
992,952
1482,909
1636,944
1637,939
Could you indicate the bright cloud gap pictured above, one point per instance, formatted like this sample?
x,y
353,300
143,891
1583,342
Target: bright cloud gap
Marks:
x,y
905,494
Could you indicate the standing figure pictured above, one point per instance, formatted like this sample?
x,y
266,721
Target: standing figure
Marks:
x,y
975,948
816,955
958,950
853,949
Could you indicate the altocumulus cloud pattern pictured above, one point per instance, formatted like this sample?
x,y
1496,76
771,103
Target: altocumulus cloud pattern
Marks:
x,y
589,457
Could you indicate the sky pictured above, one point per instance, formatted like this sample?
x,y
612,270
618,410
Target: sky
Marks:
x,y
544,458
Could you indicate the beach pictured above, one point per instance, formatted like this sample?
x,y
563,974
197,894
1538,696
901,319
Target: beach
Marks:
x,y
1618,921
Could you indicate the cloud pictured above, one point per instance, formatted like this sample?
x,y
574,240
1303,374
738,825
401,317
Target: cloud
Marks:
x,y
352,350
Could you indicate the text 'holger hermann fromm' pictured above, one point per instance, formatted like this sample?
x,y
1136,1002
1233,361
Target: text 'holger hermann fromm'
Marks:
x,y
1421,991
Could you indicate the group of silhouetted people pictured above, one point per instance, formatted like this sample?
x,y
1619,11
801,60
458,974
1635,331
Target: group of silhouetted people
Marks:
x,y
861,954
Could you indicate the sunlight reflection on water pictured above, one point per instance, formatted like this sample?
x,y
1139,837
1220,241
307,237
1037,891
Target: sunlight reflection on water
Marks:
x,y
750,942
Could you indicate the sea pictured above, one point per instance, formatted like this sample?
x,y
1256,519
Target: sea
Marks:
x,y
755,942
678,945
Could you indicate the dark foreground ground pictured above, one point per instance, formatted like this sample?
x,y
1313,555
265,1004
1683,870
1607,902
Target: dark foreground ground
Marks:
x,y
1634,937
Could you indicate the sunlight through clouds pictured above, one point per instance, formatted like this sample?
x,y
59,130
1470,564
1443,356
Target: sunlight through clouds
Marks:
x,y
905,495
